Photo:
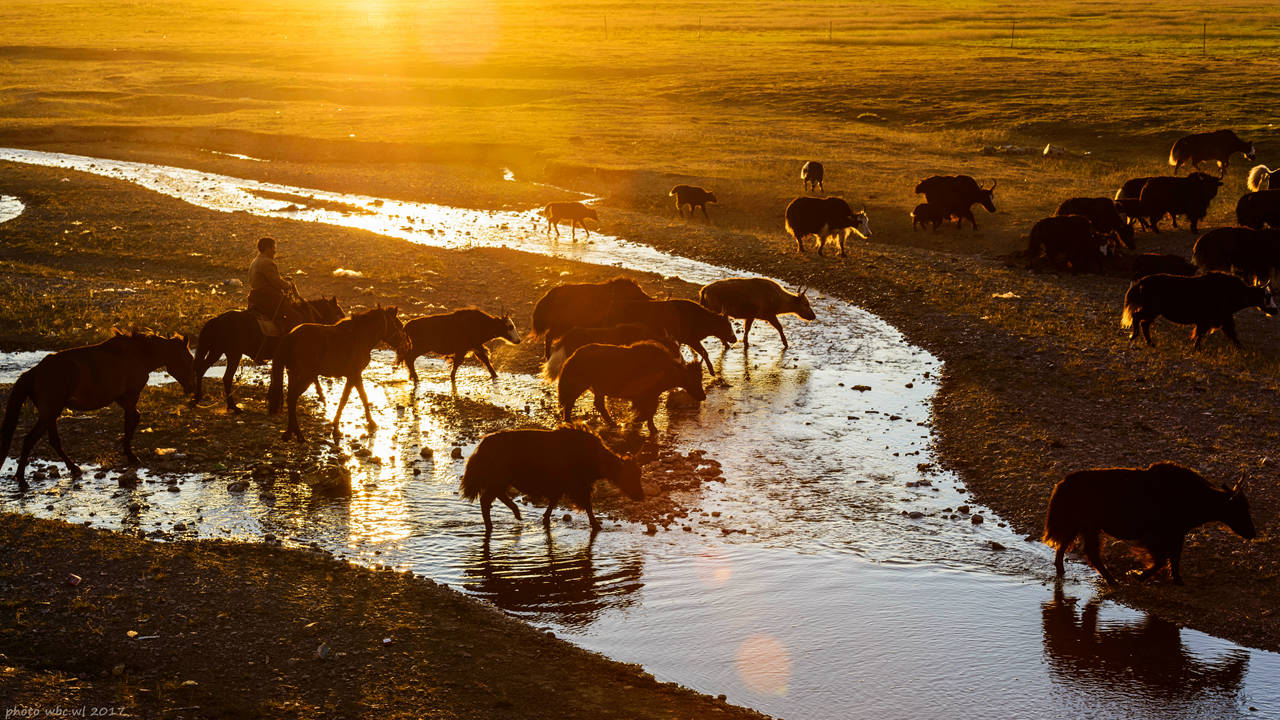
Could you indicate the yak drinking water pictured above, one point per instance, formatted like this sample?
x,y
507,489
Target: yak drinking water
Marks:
x,y
686,321
455,334
639,373
545,463
583,305
1206,301
622,334
754,298
1153,507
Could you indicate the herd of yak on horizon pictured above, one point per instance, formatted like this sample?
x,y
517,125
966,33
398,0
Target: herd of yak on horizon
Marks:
x,y
614,340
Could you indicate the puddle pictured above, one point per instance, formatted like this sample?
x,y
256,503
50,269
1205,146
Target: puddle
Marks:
x,y
10,207
826,596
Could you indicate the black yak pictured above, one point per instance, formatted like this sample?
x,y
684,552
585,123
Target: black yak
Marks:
x,y
1160,263
1217,146
1153,507
1175,196
754,298
548,464
582,305
811,175
1259,209
640,373
1068,240
1104,215
926,214
623,334
955,196
685,320
824,218
574,213
1253,255
1126,201
693,196
455,334
1207,301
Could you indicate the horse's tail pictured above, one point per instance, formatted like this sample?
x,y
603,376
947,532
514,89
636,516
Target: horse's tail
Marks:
x,y
17,398
1259,178
1060,528
275,391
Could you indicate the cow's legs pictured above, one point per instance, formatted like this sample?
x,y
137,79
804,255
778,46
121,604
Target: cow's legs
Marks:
x,y
701,350
704,212
1229,329
602,408
1198,333
1146,332
1058,563
777,325
457,360
483,356
486,499
409,362
131,418
1175,561
507,501
1093,551
551,506
822,243
746,333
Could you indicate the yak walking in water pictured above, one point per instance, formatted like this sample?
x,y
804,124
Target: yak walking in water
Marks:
x,y
455,334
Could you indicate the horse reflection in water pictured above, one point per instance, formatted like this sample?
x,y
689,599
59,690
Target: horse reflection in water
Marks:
x,y
1145,662
566,585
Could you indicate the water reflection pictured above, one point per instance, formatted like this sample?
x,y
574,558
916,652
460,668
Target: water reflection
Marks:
x,y
537,576
1145,658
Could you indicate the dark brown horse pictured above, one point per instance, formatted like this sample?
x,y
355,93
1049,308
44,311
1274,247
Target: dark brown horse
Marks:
x,y
340,350
237,333
89,378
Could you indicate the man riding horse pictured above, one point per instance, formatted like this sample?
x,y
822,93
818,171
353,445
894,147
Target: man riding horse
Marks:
x,y
272,296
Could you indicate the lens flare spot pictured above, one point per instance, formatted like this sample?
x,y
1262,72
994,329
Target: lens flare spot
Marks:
x,y
714,569
764,665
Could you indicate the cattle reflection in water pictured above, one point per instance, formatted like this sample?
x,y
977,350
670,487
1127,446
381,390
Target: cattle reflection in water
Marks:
x,y
562,583
1144,659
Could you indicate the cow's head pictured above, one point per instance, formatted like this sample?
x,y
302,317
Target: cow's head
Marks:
x,y
711,197
1268,301
801,306
986,196
1236,513
624,473
860,224
509,332
1252,152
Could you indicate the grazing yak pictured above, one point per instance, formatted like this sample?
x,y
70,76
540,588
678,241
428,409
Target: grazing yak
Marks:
x,y
811,174
1160,263
754,298
1176,196
1126,201
1259,209
1153,507
685,321
574,213
955,196
455,334
1217,146
639,373
824,218
548,464
926,213
583,305
1070,238
624,334
1253,255
693,196
1207,301
1259,178
1104,215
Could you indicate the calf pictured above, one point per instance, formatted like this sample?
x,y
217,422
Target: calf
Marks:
x,y
1259,209
754,298
583,305
1175,196
624,334
811,174
926,213
693,196
545,463
955,196
1071,238
640,373
1159,263
457,333
1104,215
576,214
1217,146
1254,255
1127,204
824,218
685,321
1207,301
1153,507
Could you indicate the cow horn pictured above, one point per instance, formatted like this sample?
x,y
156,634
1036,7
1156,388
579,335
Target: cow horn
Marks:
x,y
1235,490
993,184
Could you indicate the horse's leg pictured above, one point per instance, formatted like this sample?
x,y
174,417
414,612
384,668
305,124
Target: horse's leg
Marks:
x,y
585,501
342,404
29,442
486,499
705,357
319,390
602,409
551,506
1093,551
204,359
483,356
777,325
368,413
131,418
413,373
746,332
453,371
56,441
297,386
228,379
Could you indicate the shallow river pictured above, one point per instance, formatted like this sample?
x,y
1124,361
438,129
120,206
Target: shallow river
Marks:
x,y
823,579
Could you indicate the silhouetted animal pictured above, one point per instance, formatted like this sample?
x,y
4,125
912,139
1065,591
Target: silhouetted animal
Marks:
x,y
1259,209
1103,214
811,173
640,373
685,321
1259,178
1188,196
1254,255
88,378
576,214
545,463
1153,507
624,334
583,305
338,350
1207,301
1217,146
455,334
955,196
752,299
237,333
1068,240
1127,201
1158,263
693,196
926,214
824,218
